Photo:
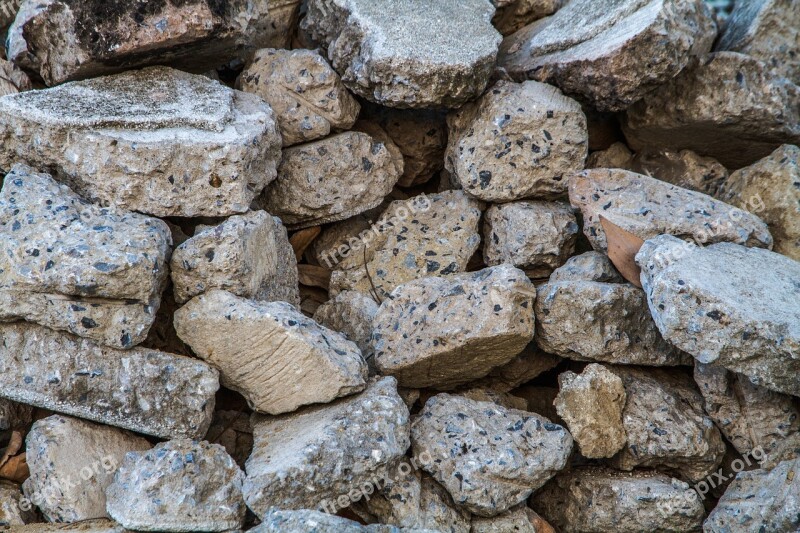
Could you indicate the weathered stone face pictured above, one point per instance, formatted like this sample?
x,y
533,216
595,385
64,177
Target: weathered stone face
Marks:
x,y
351,313
158,141
530,363
12,79
684,169
513,15
10,512
302,520
521,519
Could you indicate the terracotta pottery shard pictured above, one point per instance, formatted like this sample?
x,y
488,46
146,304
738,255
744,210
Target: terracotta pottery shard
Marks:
x,y
622,249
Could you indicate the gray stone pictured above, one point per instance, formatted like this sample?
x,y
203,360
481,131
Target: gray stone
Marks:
x,y
519,140
513,15
729,305
307,520
179,485
520,519
12,79
288,360
101,525
73,266
588,266
11,506
158,141
351,313
419,63
143,390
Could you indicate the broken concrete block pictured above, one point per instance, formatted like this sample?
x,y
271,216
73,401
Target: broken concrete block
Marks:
x,y
443,332
520,519
684,169
351,313
615,156
588,266
519,140
513,15
485,394
158,141
11,506
101,525
12,79
305,520
73,266
288,361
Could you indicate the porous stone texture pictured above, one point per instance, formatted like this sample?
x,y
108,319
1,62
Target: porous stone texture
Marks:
x,y
248,255
443,332
11,513
331,179
611,53
587,312
513,15
72,461
535,236
708,302
518,140
759,500
666,426
724,105
466,438
520,519
12,79
306,460
73,266
587,499
648,207
158,141
529,364
288,360
771,187
143,390
427,235
179,485
419,63
351,313
63,40
305,93
591,404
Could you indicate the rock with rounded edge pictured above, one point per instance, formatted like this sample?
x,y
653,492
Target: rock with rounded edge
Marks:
x,y
351,313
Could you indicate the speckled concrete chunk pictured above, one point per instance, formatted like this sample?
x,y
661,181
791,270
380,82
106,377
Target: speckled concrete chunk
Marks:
x,y
351,313
77,267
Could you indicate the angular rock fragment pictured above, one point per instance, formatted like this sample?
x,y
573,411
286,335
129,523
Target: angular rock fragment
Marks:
x,y
351,313
232,430
521,519
648,207
729,305
306,460
158,141
514,14
146,391
419,63
180,485
288,360
615,156
588,266
305,520
11,506
530,363
12,79
725,105
77,267
466,438
685,169
610,53
305,93
534,236
101,525
600,499
248,255
504,399
519,140
72,461
443,332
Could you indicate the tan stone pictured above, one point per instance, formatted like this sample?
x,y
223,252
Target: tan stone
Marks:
x,y
513,15
529,364
351,313
12,79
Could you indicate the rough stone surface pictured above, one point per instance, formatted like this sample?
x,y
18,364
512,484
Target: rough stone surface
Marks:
x,y
307,459
12,79
248,255
587,312
467,437
14,415
610,53
307,520
684,169
537,237
504,399
158,141
419,63
771,187
331,179
530,363
587,499
513,15
519,140
11,514
77,267
648,207
442,332
288,360
351,313
101,525
179,485
521,519
305,93
72,461
615,156
143,390
729,305
591,404
232,430
725,105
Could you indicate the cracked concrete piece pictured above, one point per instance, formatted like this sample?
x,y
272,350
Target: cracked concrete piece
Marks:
x,y
72,461
519,140
729,305
521,519
648,207
158,141
12,79
465,438
351,313
248,255
419,63
77,267
588,266
443,332
288,360
142,390
307,459
179,485
610,53
513,15
305,93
